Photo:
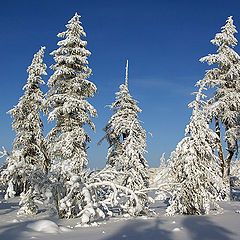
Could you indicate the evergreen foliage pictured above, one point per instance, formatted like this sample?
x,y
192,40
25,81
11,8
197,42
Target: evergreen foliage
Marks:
x,y
68,106
224,106
54,171
66,99
127,140
92,195
26,122
193,166
28,161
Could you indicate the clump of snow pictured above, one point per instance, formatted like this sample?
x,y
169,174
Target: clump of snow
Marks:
x,y
82,225
160,196
45,226
64,229
15,220
177,229
78,225
94,224
48,193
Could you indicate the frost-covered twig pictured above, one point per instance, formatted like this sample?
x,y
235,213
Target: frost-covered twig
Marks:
x,y
4,152
126,190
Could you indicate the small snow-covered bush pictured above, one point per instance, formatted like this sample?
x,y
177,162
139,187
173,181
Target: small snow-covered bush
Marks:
x,y
159,176
24,180
91,195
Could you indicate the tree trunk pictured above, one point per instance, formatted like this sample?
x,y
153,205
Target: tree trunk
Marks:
x,y
125,135
219,147
227,169
224,164
228,162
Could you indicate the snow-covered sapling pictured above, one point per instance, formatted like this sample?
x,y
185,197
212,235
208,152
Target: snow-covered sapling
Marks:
x,y
193,166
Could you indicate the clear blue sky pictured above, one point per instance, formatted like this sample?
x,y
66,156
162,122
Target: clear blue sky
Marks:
x,y
163,41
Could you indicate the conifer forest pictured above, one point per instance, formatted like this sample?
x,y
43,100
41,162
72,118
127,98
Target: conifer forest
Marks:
x,y
49,173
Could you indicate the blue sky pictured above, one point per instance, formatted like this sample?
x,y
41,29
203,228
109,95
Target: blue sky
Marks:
x,y
163,41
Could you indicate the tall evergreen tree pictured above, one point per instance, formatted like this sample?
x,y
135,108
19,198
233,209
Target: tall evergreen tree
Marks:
x,y
67,104
193,166
27,122
127,140
28,161
224,106
66,99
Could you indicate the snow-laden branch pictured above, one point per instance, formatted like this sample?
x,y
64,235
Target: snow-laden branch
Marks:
x,y
137,207
4,152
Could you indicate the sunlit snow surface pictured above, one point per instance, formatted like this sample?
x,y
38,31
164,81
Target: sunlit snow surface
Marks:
x,y
224,226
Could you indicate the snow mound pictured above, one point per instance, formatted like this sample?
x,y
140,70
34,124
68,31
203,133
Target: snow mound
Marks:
x,y
15,220
45,226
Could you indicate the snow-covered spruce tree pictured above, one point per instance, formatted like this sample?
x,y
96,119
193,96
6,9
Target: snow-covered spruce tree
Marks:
x,y
193,166
66,99
127,140
224,107
67,106
28,163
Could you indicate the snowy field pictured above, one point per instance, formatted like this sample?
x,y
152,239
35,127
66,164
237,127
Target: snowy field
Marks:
x,y
224,226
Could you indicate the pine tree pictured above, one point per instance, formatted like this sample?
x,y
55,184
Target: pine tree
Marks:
x,y
28,161
26,115
66,99
68,107
193,166
224,106
127,140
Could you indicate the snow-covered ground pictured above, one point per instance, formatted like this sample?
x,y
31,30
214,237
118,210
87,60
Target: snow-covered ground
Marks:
x,y
224,226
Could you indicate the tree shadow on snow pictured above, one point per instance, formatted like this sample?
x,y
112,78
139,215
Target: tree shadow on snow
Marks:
x,y
235,194
141,230
13,230
6,207
20,231
201,228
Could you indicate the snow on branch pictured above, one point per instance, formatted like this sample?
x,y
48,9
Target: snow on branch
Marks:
x,y
4,152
